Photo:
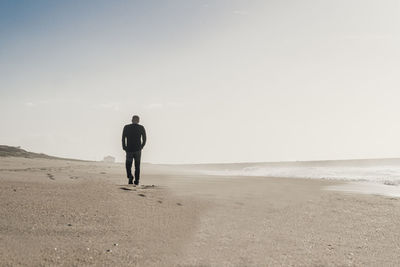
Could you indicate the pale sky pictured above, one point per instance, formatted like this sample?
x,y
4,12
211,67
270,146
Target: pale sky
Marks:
x,y
213,81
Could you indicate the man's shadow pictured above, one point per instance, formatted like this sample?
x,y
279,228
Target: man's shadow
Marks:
x,y
133,188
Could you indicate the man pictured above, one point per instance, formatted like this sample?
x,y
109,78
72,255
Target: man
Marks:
x,y
133,141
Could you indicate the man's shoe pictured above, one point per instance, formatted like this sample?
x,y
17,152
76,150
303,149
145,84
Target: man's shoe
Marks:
x,y
130,181
136,182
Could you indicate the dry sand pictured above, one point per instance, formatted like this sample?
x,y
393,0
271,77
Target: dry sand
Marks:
x,y
56,212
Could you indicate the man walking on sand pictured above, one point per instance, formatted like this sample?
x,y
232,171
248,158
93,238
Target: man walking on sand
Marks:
x,y
133,141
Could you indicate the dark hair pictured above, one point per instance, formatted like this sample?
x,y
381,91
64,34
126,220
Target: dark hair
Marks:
x,y
135,118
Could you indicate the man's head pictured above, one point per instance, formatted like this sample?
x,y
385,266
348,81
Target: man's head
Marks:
x,y
135,119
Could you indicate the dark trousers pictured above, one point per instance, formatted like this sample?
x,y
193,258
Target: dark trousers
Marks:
x,y
130,157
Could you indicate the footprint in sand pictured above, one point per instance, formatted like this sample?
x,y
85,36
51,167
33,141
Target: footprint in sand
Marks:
x,y
125,189
51,176
142,195
179,204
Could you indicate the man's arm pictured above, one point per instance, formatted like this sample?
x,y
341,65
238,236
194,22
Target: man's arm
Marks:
x,y
123,138
144,138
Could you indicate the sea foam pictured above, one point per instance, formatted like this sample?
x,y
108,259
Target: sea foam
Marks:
x,y
383,174
381,180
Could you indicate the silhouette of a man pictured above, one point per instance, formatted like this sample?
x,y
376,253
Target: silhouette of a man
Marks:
x,y
133,141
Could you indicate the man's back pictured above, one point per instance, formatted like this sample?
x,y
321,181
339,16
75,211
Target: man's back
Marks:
x,y
133,133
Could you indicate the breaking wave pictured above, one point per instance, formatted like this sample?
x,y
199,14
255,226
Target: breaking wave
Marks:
x,y
388,175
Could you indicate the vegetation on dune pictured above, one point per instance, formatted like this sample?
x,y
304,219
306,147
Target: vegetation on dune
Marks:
x,y
12,151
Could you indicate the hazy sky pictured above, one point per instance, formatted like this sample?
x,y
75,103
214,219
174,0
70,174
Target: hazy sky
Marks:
x,y
213,81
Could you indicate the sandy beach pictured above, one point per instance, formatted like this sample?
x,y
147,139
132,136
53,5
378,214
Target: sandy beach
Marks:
x,y
70,213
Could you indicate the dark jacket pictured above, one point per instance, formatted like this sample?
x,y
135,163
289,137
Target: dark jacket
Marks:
x,y
135,136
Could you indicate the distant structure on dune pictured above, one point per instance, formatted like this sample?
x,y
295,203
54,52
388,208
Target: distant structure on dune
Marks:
x,y
109,159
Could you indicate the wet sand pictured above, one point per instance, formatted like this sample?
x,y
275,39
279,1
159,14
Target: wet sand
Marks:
x,y
67,213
